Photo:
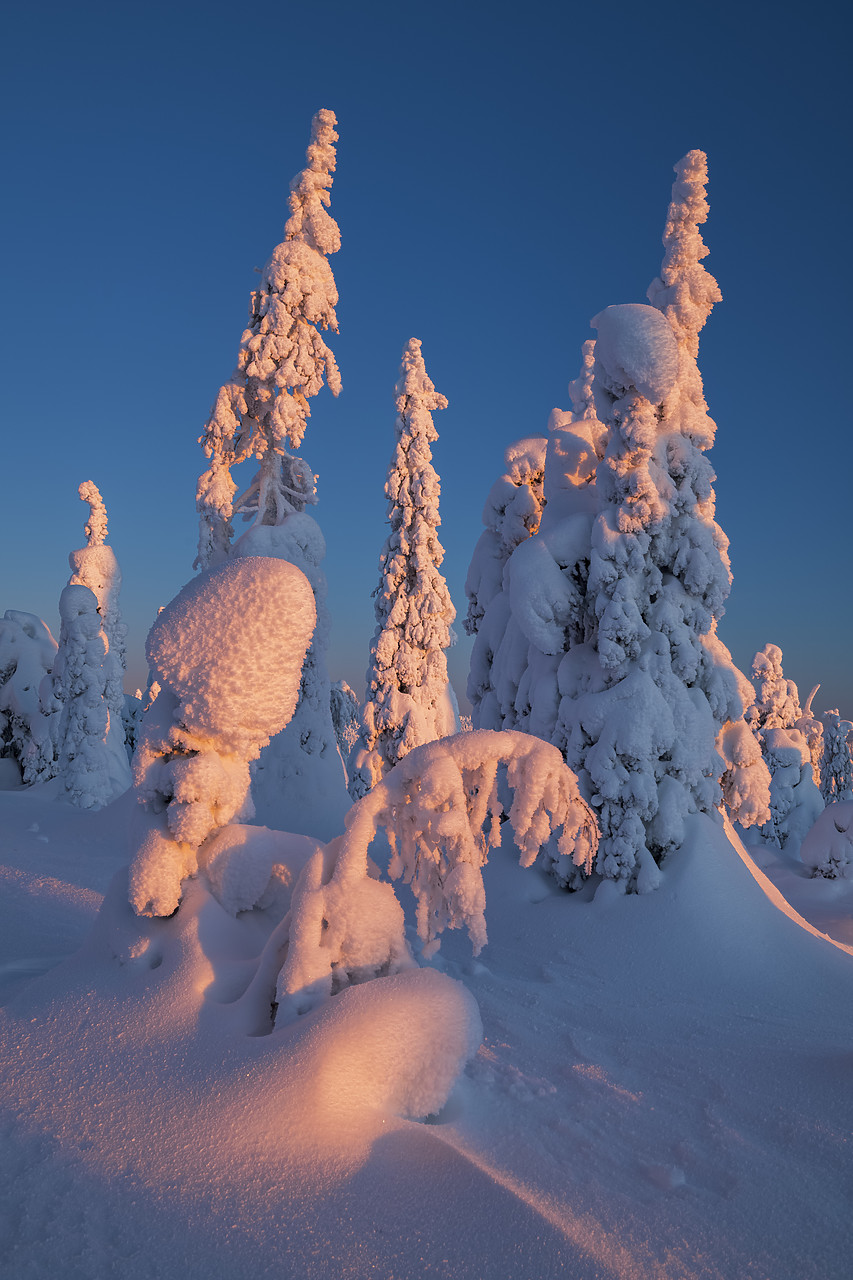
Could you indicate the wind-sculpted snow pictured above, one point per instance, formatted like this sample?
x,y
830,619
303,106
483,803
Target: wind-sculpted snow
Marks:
x,y
441,810
228,652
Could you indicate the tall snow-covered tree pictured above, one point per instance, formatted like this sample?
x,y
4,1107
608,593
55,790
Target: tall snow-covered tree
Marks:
x,y
299,780
620,592
283,361
88,671
409,700
836,772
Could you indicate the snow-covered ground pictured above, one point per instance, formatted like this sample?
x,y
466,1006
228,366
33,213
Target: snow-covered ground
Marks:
x,y
663,1089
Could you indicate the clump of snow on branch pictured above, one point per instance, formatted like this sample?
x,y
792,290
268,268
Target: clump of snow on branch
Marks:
x,y
441,810
283,361
836,766
228,653
27,655
827,848
408,700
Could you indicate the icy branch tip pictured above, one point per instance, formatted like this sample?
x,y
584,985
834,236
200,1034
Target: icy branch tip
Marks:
x,y
96,526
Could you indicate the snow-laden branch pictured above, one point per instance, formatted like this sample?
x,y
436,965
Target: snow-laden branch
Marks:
x,y
441,810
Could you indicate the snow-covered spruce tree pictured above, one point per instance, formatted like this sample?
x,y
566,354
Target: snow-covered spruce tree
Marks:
x,y
86,681
529,622
299,780
409,700
775,719
511,514
620,592
836,769
27,655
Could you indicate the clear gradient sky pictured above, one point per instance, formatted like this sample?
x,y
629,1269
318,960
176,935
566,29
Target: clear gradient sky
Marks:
x,y
503,174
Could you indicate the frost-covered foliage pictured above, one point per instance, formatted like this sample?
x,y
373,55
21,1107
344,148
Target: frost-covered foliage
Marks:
x,y
283,362
441,810
408,700
607,641
827,849
86,689
836,766
512,513
778,722
299,781
27,655
345,716
227,652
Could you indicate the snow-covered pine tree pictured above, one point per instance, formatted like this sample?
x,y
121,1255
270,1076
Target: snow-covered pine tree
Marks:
x,y
775,719
836,772
299,780
409,700
86,681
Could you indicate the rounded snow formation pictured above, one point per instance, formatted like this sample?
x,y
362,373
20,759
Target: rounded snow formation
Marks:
x,y
637,348
231,646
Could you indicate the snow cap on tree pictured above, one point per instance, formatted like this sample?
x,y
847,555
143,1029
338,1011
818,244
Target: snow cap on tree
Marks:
x,y
283,361
27,655
409,700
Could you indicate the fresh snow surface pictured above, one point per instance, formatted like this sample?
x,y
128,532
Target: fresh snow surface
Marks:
x,y
662,1089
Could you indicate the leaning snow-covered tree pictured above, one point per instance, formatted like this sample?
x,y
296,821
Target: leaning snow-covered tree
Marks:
x,y
262,413
409,700
620,592
86,683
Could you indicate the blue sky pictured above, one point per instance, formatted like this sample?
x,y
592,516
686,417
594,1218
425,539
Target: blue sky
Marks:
x,y
503,174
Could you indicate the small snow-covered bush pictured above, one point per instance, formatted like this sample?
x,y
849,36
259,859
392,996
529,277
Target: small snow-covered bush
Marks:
x,y
228,653
827,850
27,655
441,811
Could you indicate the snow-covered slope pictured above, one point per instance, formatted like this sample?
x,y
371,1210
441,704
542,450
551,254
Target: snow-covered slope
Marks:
x,y
662,1090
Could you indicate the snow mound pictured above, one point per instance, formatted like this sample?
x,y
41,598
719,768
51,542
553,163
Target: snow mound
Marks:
x,y
231,646
397,1044
637,348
